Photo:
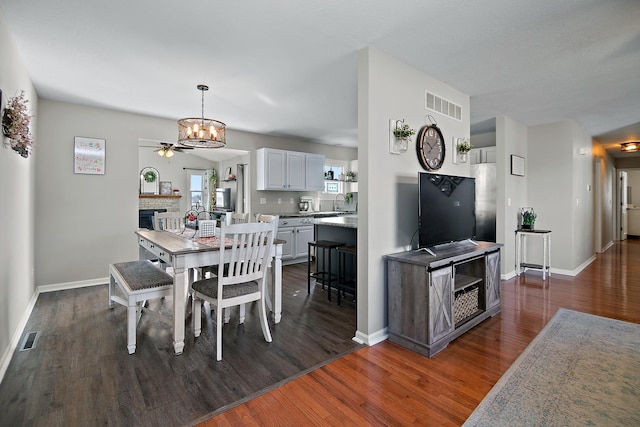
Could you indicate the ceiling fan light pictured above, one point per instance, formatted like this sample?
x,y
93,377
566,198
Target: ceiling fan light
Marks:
x,y
161,152
201,132
169,153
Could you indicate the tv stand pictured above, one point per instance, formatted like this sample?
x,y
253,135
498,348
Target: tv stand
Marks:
x,y
435,299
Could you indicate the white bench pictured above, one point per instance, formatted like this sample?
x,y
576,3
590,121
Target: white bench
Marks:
x,y
139,281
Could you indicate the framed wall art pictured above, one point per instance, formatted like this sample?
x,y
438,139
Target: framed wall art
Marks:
x,y
165,188
89,156
517,165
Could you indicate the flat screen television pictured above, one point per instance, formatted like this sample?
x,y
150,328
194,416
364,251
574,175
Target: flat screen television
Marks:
x,y
223,199
447,209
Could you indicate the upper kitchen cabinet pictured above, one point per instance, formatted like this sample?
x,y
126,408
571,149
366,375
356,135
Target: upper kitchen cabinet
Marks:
x,y
289,170
314,172
482,155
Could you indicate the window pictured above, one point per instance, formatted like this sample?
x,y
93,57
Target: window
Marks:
x,y
196,189
333,185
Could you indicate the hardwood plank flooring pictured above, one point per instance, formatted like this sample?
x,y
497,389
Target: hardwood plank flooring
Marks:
x,y
387,385
80,373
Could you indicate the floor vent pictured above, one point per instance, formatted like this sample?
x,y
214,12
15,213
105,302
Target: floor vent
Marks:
x,y
29,341
435,103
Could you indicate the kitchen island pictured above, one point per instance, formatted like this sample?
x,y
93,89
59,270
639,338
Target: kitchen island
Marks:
x,y
343,229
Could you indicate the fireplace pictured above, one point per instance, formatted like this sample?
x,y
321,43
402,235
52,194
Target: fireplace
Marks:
x,y
145,217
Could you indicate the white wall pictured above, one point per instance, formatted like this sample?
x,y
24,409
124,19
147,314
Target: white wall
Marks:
x,y
480,140
604,169
388,189
17,208
511,139
558,189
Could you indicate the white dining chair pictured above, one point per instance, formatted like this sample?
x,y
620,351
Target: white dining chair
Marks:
x,y
274,219
168,221
243,281
239,218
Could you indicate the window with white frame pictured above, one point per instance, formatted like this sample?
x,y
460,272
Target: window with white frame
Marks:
x,y
196,189
336,169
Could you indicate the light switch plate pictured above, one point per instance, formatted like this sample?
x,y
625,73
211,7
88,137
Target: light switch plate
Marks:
x,y
263,200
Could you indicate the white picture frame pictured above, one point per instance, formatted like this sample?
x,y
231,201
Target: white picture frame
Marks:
x,y
89,156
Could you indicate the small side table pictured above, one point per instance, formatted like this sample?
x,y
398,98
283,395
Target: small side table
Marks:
x,y
521,265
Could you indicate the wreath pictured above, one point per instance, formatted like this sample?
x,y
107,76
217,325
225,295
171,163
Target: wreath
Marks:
x,y
15,125
149,176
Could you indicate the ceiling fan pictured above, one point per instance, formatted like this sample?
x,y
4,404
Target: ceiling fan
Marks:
x,y
167,149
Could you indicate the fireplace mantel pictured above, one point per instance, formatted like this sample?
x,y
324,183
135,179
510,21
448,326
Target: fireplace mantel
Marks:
x,y
158,196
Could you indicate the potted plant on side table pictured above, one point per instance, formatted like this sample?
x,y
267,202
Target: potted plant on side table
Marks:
x,y
528,218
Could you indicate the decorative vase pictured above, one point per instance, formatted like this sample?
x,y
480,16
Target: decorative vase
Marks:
x,y
462,157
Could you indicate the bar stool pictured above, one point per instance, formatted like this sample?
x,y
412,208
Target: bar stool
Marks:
x,y
344,283
324,275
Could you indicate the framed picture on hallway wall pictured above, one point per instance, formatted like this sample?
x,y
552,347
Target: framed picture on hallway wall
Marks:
x,y
517,165
89,156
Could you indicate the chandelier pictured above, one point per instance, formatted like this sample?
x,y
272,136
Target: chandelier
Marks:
x,y
201,132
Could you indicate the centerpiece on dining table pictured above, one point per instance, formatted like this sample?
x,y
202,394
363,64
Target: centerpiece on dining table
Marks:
x,y
195,216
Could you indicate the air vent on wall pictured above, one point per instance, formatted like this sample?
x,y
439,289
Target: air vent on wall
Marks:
x,y
440,105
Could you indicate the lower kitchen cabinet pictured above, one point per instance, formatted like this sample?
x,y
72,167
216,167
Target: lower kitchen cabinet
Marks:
x,y
434,300
297,232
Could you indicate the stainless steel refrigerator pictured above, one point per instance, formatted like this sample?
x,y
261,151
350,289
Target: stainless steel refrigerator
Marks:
x,y
485,175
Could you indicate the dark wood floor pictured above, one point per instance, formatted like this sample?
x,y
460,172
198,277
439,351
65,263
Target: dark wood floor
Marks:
x,y
80,373
387,385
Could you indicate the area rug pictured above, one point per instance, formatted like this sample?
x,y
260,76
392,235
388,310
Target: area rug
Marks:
x,y
580,370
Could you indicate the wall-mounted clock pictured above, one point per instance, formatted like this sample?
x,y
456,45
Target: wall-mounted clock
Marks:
x,y
430,147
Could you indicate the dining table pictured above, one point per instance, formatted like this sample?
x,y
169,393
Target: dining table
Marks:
x,y
185,252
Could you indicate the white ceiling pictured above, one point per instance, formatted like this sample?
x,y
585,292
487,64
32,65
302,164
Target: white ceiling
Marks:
x,y
288,67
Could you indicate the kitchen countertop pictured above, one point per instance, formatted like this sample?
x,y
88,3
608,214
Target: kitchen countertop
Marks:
x,y
323,214
345,221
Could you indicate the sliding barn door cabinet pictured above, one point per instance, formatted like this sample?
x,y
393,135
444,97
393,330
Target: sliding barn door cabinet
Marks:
x,y
435,299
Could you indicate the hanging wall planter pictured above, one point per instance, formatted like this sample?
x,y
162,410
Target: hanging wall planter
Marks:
x,y
462,148
15,125
400,137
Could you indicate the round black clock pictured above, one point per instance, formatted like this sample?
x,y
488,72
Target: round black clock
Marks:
x,y
430,147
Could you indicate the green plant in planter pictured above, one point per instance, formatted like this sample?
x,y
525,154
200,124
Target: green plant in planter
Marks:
x,y
528,219
150,176
348,197
351,176
403,132
464,146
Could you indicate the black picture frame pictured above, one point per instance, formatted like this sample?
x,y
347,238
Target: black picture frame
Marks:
x,y
517,165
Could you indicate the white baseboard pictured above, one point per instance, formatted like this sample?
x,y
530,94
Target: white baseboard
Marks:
x,y
19,331
17,335
73,285
371,339
575,271
508,275
606,247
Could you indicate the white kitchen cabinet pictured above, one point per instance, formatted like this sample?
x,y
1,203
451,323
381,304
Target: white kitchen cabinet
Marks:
x,y
314,172
288,170
482,155
297,232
